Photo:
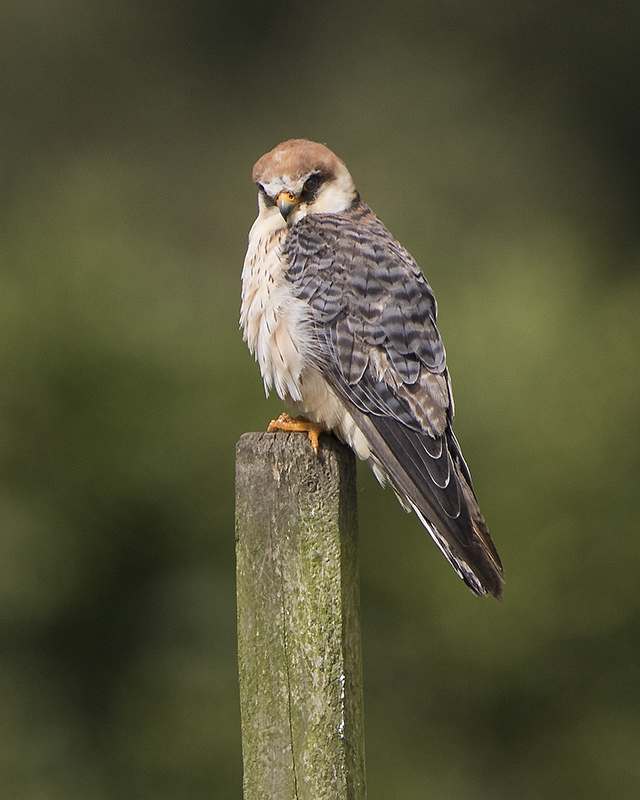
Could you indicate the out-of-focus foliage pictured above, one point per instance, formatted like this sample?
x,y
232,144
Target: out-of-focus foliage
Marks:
x,y
499,142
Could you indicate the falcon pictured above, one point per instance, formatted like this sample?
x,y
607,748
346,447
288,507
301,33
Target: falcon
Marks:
x,y
342,324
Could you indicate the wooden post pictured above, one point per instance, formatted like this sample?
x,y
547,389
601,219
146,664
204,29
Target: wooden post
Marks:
x,y
298,619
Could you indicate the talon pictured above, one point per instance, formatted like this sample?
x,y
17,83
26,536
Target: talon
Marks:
x,y
298,425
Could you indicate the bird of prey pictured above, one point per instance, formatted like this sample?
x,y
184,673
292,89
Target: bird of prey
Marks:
x,y
342,323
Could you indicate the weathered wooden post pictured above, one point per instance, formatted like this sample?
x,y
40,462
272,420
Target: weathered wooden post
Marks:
x,y
298,619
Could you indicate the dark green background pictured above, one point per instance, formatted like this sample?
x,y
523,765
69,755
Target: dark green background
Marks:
x,y
499,141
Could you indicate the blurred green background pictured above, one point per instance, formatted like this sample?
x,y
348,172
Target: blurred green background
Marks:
x,y
500,142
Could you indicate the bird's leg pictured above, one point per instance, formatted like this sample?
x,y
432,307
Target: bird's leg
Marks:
x,y
300,425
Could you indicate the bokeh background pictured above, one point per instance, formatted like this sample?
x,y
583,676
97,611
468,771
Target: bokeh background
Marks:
x,y
500,142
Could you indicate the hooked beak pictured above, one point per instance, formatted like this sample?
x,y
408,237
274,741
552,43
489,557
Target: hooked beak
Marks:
x,y
286,202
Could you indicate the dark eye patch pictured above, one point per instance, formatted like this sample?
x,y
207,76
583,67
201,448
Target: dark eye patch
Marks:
x,y
268,200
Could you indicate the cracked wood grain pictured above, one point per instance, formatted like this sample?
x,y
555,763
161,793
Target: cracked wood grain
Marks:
x,y
298,619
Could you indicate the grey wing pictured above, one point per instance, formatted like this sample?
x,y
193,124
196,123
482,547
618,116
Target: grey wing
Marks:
x,y
377,344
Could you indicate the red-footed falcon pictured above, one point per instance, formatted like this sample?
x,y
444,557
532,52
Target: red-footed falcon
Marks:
x,y
343,324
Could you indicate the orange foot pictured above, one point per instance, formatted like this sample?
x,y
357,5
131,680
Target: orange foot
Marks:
x,y
298,424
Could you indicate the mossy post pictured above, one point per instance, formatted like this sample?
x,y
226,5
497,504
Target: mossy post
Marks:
x,y
298,619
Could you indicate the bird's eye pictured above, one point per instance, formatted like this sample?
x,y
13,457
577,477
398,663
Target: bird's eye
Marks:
x,y
312,183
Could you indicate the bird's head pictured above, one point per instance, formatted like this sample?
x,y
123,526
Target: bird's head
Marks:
x,y
299,177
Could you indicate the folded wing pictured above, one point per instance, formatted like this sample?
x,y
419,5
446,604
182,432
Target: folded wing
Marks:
x,y
375,340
